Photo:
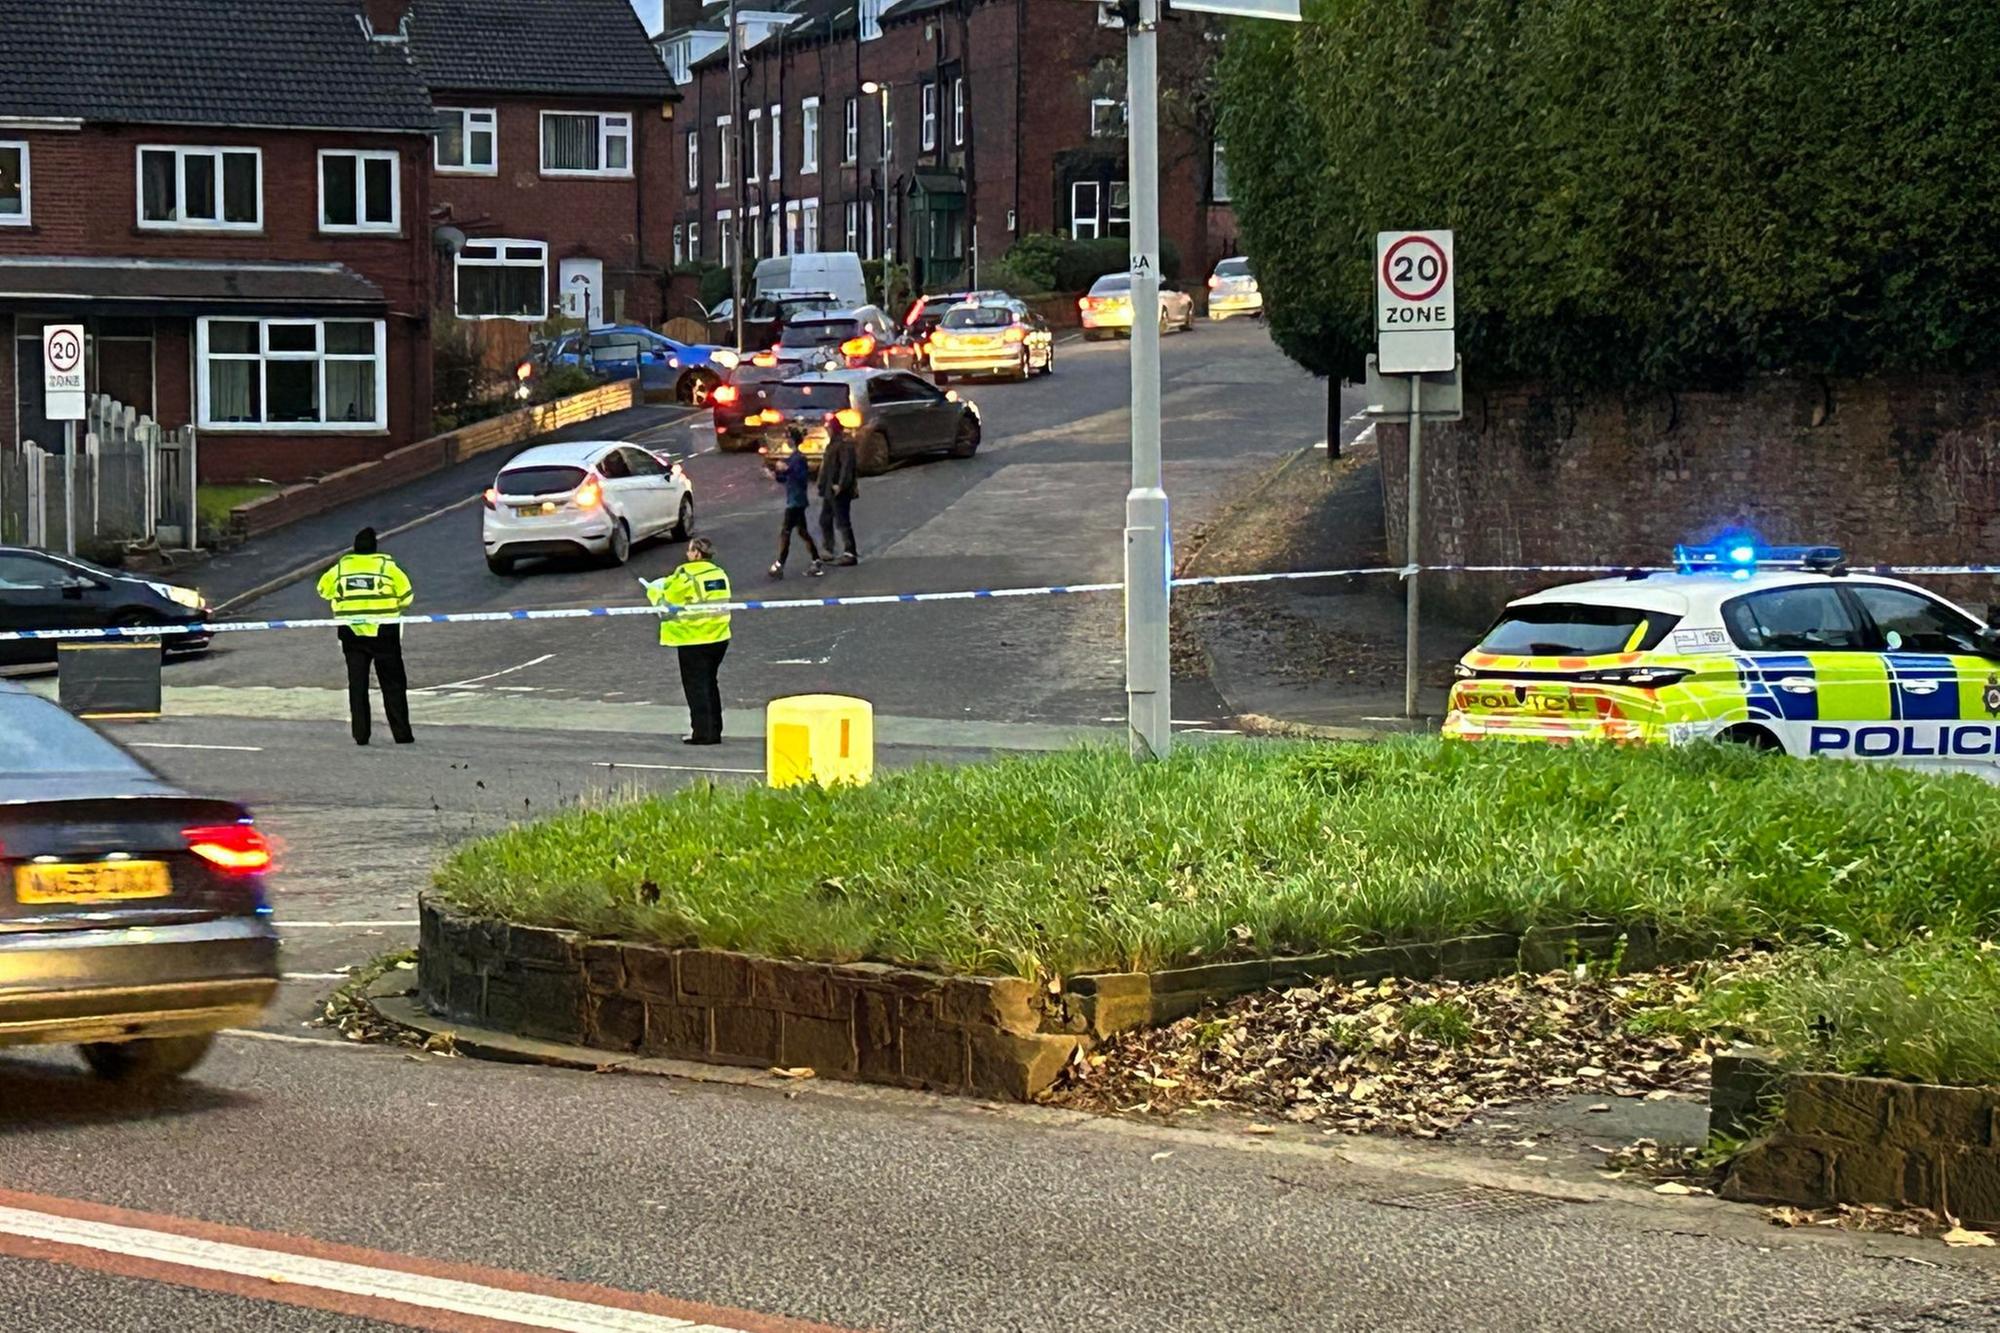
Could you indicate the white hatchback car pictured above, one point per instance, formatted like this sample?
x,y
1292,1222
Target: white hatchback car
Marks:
x,y
592,497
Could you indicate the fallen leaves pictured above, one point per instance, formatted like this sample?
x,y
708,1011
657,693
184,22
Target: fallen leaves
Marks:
x,y
795,1072
1959,1236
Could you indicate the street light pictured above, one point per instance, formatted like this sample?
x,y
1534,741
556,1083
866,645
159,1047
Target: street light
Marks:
x,y
871,88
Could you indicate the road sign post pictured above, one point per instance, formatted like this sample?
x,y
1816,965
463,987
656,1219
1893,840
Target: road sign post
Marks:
x,y
1416,318
62,400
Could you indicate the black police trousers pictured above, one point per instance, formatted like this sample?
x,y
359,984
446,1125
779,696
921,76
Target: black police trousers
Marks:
x,y
384,651
701,663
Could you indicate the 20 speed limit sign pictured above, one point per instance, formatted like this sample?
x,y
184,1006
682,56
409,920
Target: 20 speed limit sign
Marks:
x,y
1415,312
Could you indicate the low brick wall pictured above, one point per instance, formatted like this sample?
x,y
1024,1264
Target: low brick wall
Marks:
x,y
987,1036
412,461
1876,1141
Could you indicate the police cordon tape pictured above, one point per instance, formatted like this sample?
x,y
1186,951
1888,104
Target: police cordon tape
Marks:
x,y
893,599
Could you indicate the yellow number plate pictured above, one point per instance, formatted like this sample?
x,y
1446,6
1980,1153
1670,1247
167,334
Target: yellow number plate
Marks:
x,y
92,882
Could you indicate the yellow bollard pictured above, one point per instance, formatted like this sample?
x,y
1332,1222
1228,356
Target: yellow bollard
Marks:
x,y
823,738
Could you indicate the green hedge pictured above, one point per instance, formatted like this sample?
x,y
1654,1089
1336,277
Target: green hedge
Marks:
x,y
1645,192
1039,262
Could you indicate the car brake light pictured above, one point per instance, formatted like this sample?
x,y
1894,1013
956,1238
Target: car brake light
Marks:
x,y
1214,281
772,416
849,418
1086,302
492,498
589,495
235,849
1015,333
524,371
724,394
862,346
916,313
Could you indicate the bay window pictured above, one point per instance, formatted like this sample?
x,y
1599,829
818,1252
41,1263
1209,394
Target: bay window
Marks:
x,y
329,374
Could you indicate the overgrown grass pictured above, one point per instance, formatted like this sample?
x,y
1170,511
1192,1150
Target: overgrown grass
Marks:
x,y
214,501
1925,1010
1083,860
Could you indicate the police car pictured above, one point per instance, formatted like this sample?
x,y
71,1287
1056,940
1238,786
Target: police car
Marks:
x,y
1778,648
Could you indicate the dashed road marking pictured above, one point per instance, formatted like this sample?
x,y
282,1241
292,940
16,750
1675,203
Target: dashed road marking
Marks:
x,y
678,768
491,675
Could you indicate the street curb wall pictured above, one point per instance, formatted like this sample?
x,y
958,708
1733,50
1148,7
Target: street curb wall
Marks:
x,y
412,461
1843,1139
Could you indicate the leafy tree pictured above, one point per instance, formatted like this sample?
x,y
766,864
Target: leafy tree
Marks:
x,y
1645,192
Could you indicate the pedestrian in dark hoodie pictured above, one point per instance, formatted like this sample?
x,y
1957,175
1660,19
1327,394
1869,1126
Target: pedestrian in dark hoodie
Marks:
x,y
798,491
839,483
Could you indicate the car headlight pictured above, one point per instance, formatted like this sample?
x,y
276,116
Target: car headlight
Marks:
x,y
725,358
187,597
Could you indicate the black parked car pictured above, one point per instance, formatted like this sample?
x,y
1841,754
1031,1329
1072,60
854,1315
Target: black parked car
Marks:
x,y
43,590
133,920
892,415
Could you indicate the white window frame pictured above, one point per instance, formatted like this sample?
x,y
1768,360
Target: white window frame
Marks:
x,y
501,260
809,137
1097,213
181,153
851,142
680,245
777,122
795,241
725,231
853,226
26,217
1098,128
809,226
885,104
755,117
928,106
469,119
1218,171
361,224
958,111
694,242
725,152
610,125
871,20
264,356
693,174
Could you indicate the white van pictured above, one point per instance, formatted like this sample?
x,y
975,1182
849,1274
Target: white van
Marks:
x,y
836,271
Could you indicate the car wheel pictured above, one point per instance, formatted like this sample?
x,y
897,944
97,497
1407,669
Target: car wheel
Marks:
x,y
1754,738
684,525
695,387
966,443
1022,371
735,444
149,1060
500,564
1049,360
1093,335
871,455
620,548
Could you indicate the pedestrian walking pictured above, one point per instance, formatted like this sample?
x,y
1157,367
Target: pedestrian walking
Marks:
x,y
839,483
366,587
797,477
701,636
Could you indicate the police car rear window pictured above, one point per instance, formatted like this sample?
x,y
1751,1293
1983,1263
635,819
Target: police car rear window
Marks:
x,y
539,480
1575,629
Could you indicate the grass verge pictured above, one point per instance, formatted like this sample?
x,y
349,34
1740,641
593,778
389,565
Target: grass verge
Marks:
x,y
1082,860
213,502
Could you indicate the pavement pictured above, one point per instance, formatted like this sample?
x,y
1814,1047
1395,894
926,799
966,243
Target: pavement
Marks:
x,y
301,1181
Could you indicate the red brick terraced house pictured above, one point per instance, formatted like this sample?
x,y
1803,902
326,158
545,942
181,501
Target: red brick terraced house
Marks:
x,y
233,198
553,161
989,119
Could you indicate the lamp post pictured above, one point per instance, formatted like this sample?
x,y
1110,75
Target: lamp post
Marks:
x,y
888,155
735,150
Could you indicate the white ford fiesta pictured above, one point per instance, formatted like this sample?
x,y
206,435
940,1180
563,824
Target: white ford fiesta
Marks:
x,y
592,497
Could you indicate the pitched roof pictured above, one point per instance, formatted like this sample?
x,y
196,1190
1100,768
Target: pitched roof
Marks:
x,y
191,284
294,64
585,48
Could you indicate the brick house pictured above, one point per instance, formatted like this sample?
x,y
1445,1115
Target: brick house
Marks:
x,y
235,206
553,159
1003,117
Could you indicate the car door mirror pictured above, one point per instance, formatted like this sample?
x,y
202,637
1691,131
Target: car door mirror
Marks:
x,y
1989,641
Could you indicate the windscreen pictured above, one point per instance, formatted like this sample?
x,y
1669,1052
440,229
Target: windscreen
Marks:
x,y
37,737
979,317
818,332
1574,629
806,400
1233,268
539,480
1113,283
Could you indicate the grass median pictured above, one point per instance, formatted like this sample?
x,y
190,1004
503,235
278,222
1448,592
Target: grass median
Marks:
x,y
1082,860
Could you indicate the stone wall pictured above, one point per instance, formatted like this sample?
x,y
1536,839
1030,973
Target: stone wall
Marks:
x,y
1870,1141
1897,471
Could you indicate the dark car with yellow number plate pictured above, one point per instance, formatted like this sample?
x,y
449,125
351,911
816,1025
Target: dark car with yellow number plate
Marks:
x,y
892,414
44,590
132,917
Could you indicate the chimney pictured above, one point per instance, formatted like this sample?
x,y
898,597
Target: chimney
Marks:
x,y
384,19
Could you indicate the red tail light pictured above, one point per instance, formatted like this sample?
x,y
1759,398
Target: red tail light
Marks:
x,y
764,359
724,394
1015,333
916,312
1086,302
492,498
234,849
862,346
849,418
589,495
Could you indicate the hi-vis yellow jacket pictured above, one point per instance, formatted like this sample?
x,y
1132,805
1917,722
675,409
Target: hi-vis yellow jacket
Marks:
x,y
366,589
688,587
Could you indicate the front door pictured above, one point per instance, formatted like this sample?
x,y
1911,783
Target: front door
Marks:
x,y
581,282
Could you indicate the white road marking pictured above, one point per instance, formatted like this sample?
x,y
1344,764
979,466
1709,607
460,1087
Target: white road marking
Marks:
x,y
177,745
286,1038
491,675
317,976
284,926
524,1309
677,768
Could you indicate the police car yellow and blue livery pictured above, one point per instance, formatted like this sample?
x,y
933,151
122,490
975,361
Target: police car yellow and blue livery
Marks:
x,y
1781,648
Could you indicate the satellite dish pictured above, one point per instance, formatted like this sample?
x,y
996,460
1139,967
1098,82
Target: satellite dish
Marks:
x,y
447,240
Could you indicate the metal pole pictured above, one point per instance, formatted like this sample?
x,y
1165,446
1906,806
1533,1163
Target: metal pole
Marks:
x,y
735,150
1148,539
69,487
888,165
1410,557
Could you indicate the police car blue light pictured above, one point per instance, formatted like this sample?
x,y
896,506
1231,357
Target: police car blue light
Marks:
x,y
1740,559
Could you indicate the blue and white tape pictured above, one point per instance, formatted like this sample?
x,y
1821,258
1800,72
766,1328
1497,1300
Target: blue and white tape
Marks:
x,y
893,599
